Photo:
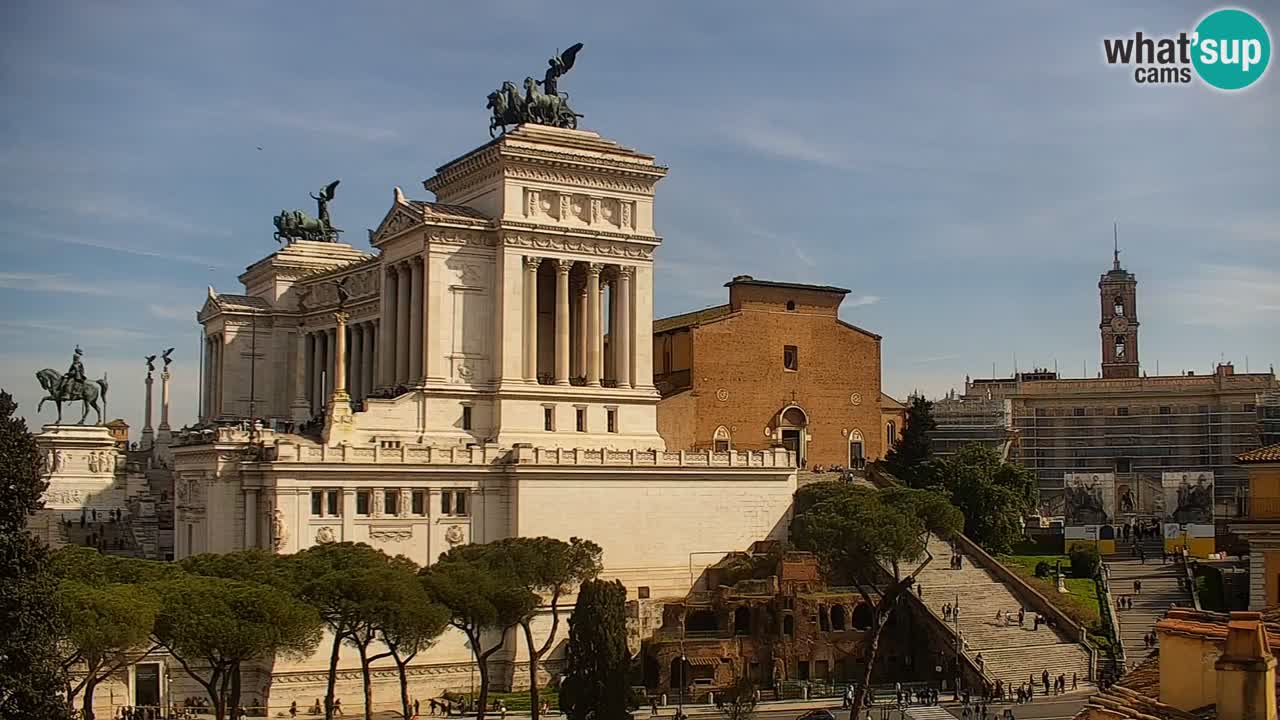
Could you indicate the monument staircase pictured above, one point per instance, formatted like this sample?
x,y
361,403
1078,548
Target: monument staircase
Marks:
x,y
1162,586
1009,652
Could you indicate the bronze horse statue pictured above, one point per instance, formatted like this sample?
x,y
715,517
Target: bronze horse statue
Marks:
x,y
88,394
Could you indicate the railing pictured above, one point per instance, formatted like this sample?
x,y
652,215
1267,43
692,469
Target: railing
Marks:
x,y
1107,606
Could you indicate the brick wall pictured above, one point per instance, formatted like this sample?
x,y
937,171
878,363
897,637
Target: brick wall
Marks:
x,y
742,354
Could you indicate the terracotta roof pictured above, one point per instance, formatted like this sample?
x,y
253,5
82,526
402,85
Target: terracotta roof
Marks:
x,y
888,402
697,317
1119,702
748,280
1267,454
444,211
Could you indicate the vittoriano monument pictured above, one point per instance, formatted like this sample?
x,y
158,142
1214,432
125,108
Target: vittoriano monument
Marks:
x,y
71,386
294,225
548,106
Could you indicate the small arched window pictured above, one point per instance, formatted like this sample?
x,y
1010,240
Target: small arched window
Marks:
x,y
837,618
1119,347
891,434
791,306
1119,306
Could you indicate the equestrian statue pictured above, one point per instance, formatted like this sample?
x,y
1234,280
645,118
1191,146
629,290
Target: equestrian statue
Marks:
x,y
71,386
547,106
295,225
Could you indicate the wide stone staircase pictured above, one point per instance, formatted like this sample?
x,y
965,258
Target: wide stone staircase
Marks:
x,y
1161,588
1009,652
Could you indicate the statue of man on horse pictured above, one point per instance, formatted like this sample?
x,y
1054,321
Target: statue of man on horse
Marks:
x,y
70,386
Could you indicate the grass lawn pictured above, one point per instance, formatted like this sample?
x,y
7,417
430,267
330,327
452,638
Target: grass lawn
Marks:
x,y
519,701
1080,603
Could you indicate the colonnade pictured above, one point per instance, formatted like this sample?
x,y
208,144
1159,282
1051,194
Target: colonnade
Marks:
x,y
401,346
213,355
579,355
319,350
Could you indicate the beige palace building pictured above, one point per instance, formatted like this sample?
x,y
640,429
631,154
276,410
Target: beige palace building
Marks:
x,y
463,393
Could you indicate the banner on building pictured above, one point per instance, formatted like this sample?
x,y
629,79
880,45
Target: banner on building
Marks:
x,y
1188,502
1089,498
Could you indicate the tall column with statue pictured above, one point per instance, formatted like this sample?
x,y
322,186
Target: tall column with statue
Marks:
x,y
339,420
164,434
148,434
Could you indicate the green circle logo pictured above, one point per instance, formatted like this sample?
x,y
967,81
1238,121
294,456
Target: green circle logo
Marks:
x,y
1231,49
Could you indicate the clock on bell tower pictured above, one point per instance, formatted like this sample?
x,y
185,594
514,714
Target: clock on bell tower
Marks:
x,y
1118,290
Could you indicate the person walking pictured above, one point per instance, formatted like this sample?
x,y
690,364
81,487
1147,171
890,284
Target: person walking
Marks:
x,y
1137,589
1074,681
293,709
1044,676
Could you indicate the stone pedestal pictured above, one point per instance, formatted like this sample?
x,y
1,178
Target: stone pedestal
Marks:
x,y
84,470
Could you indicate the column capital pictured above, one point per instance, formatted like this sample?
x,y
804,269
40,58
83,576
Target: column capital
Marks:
x,y
594,269
532,262
626,272
341,318
563,266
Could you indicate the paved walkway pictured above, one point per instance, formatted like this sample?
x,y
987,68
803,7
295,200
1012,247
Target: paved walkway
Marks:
x,y
1009,652
1160,589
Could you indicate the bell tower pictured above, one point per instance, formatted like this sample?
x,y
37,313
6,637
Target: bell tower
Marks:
x,y
1118,294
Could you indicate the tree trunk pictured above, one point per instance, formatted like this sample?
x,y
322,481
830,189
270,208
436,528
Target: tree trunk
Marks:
x,y
234,700
483,700
91,683
366,680
404,685
885,608
333,676
534,657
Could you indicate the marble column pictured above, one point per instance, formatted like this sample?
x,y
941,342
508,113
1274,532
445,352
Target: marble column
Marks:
x,y
206,395
357,358
403,283
390,296
317,371
217,376
331,344
562,321
580,330
340,354
370,356
301,376
531,318
622,326
594,338
322,369
250,518
148,435
164,402
415,321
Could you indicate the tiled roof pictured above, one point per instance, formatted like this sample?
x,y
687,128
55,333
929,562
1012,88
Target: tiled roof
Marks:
x,y
1267,454
445,211
243,302
889,402
1121,702
748,280
697,317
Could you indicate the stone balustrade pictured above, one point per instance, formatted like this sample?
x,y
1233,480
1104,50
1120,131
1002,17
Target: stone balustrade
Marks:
x,y
393,452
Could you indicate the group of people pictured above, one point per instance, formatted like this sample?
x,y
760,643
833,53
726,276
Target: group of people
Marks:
x,y
1149,640
951,612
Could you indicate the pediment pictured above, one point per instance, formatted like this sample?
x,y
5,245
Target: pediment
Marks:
x,y
399,218
209,309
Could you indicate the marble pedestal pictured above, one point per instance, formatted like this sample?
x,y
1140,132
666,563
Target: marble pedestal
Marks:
x,y
83,467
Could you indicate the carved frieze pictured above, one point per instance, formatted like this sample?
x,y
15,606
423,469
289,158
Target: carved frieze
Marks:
x,y
391,534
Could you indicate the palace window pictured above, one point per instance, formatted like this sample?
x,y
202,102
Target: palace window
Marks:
x,y
790,358
466,417
1078,412
362,502
324,503
419,502
1122,411
642,592
390,502
611,419
580,415
453,502
1165,410
317,502
548,418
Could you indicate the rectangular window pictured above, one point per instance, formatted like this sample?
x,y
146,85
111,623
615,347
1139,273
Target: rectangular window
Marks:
x,y
581,415
317,502
466,417
419,502
1122,411
1123,465
391,502
362,502
611,419
1250,407
1078,412
331,502
642,592
446,502
790,357
453,502
549,419
1165,410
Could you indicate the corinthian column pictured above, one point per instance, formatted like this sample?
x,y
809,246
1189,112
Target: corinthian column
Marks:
x,y
357,360
594,337
338,424
562,321
148,435
403,283
301,376
622,352
370,355
580,327
390,296
531,318
415,321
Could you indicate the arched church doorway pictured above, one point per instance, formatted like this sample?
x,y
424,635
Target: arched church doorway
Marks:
x,y
792,424
720,441
857,450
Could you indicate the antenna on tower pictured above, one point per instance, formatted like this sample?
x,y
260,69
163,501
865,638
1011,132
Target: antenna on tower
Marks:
x,y
1115,239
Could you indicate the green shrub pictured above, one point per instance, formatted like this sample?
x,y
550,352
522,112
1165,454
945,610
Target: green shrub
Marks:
x,y
1084,561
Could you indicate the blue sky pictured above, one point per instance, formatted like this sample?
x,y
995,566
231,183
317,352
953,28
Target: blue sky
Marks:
x,y
956,165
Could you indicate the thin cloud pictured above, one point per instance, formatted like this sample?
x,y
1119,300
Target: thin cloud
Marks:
x,y
46,283
862,300
22,327
181,257
1234,296
171,312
